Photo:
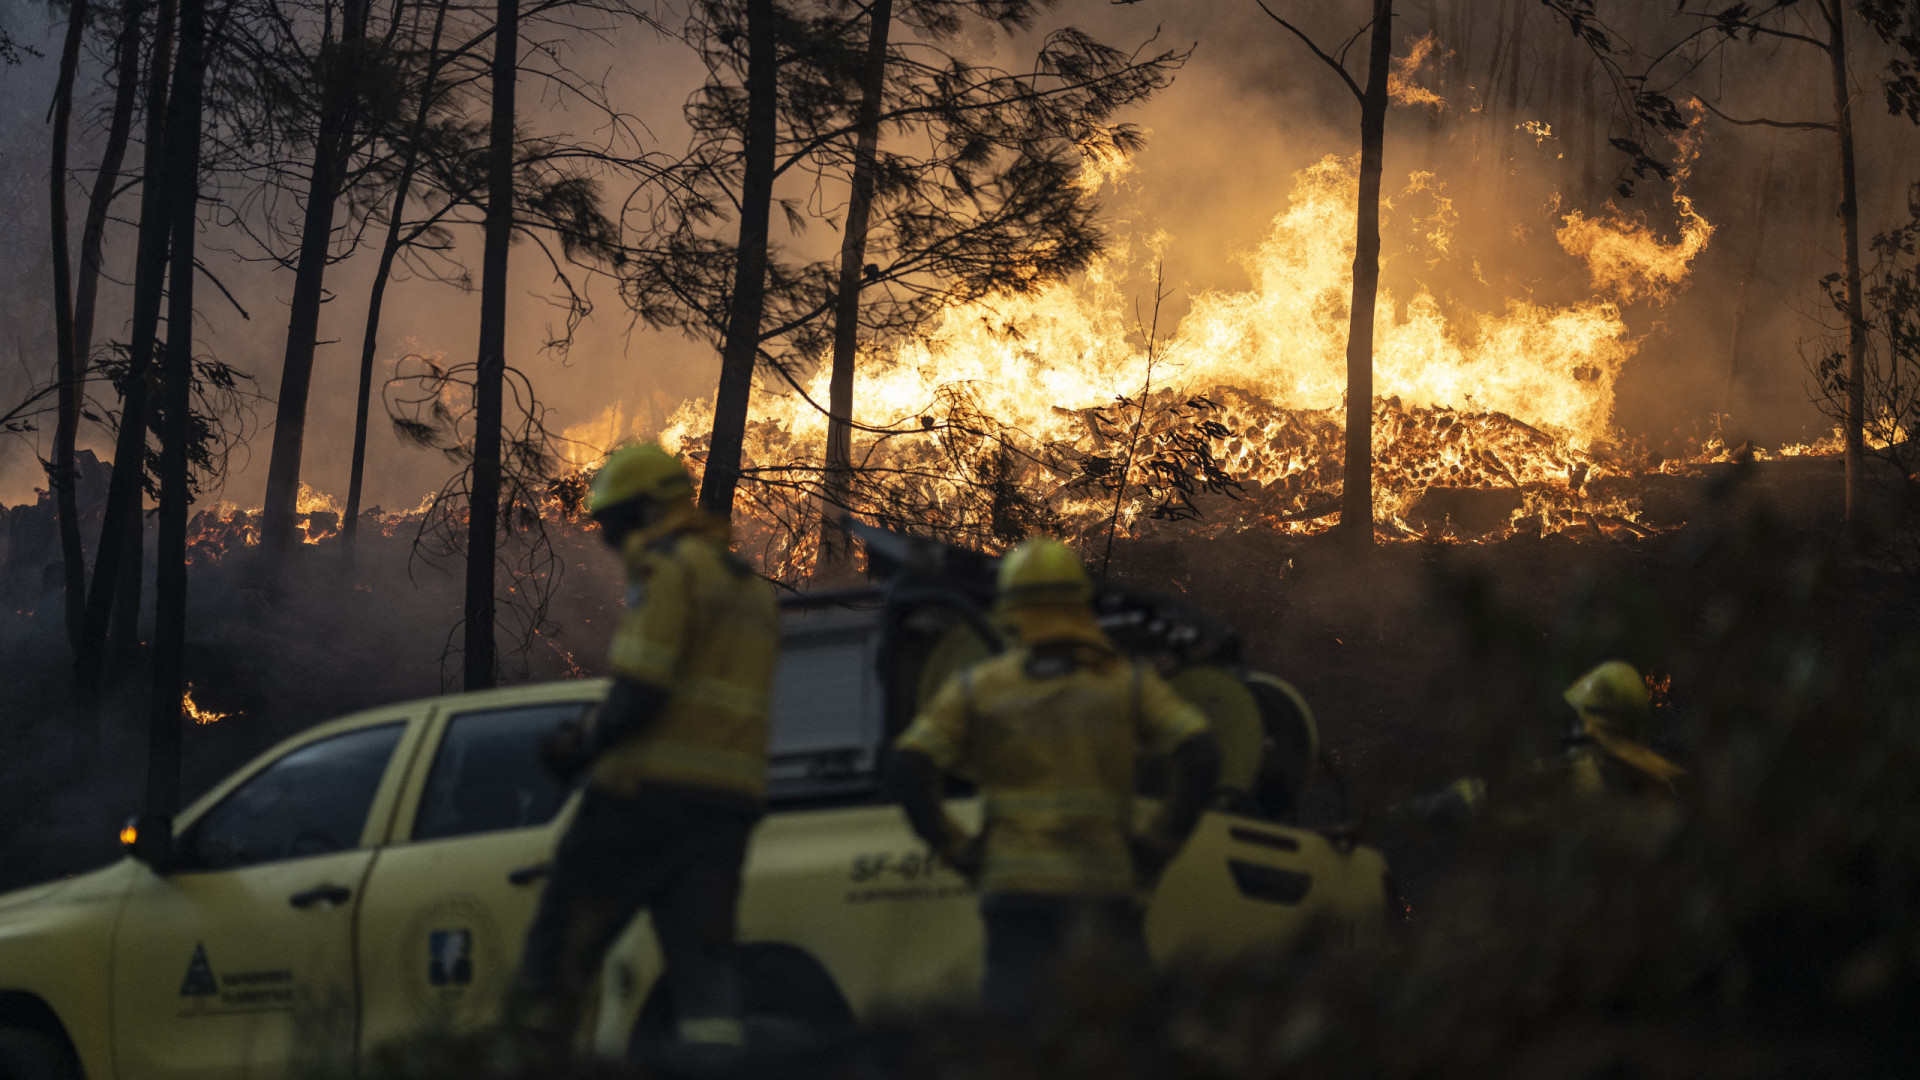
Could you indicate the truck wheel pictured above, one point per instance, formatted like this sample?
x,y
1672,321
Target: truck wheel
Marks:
x,y
29,1055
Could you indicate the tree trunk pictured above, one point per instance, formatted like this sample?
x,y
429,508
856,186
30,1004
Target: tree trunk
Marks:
x,y
846,315
1738,337
389,250
309,279
164,715
119,548
1836,13
106,181
742,344
1587,164
65,362
123,632
350,525
1485,138
1458,44
1356,507
1509,114
79,344
1502,24
483,500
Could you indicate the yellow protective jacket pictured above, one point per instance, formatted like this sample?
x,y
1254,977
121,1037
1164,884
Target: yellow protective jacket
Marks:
x,y
1053,755
705,628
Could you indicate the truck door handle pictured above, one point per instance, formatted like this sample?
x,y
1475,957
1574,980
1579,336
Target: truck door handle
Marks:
x,y
332,894
527,875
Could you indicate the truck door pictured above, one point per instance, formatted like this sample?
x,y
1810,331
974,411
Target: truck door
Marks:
x,y
239,961
449,903
834,869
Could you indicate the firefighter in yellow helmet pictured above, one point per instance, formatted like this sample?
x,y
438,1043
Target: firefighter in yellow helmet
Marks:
x,y
676,759
1050,732
1606,751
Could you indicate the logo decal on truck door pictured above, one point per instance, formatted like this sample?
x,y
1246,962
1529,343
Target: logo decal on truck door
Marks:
x,y
199,981
207,994
450,957
454,959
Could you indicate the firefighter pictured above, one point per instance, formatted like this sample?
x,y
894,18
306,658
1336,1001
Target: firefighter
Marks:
x,y
676,760
1051,731
1606,751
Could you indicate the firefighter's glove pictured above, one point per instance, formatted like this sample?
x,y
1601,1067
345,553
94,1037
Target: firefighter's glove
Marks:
x,y
967,857
1152,853
567,751
1456,803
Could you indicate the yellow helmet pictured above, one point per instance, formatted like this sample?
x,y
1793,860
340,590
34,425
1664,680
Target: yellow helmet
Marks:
x,y
641,471
1043,571
1612,700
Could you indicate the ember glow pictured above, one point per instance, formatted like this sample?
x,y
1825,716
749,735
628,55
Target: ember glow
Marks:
x,y
225,525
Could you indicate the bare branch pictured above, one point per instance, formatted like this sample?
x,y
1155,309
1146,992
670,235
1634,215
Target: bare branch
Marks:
x,y
1800,125
1328,60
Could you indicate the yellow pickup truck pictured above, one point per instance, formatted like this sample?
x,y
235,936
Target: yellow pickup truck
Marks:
x,y
369,881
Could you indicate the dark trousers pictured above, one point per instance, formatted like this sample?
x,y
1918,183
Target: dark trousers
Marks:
x,y
675,856
1032,937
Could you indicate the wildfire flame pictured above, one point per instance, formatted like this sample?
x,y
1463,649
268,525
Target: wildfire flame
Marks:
x,y
1623,255
225,525
1048,394
192,711
1520,398
1401,89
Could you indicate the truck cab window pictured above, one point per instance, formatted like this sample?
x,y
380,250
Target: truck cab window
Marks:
x,y
488,776
313,801
826,729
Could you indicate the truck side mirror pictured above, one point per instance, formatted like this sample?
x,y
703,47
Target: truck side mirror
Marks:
x,y
149,838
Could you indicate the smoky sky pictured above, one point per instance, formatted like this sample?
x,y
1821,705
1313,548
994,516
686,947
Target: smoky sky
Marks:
x,y
1250,109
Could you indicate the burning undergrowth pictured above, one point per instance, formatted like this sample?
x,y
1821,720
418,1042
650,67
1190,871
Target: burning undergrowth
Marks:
x,y
1060,411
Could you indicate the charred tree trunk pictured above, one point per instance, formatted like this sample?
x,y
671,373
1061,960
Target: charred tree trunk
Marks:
x,y
106,181
169,689
119,548
309,280
1462,44
846,315
742,343
483,500
1507,117
1836,13
1502,41
1356,507
350,525
123,632
66,364
75,351
1585,157
389,250
1738,337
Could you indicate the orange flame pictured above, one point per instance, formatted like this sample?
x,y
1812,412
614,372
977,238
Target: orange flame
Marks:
x,y
1519,399
1401,89
1625,258
195,713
